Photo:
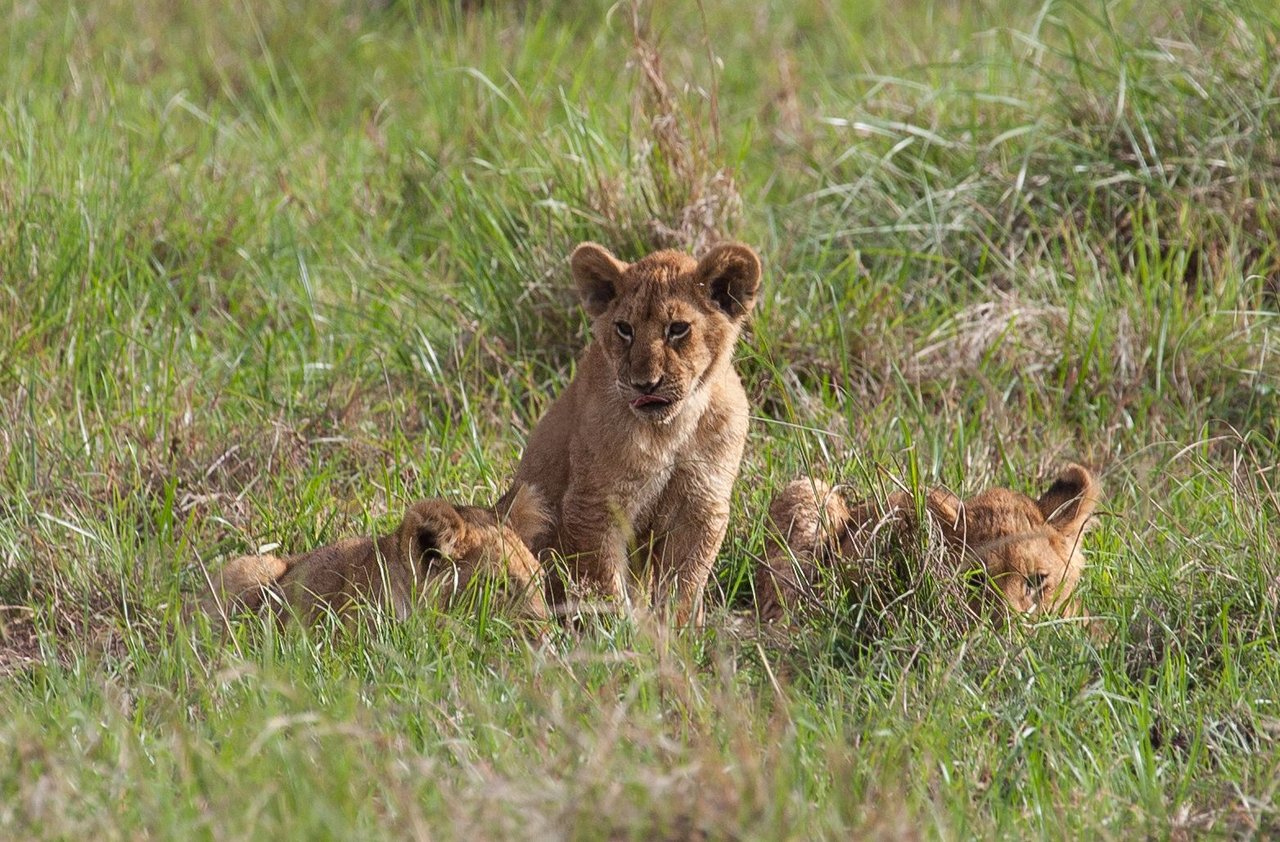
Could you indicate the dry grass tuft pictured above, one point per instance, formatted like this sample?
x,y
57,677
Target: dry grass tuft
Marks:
x,y
1015,333
691,195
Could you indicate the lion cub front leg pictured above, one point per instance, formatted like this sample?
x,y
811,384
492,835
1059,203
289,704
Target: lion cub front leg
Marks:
x,y
689,527
597,537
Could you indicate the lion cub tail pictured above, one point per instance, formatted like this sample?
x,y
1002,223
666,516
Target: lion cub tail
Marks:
x,y
527,513
242,584
805,520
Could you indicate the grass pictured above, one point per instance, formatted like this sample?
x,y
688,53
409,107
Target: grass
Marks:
x,y
271,270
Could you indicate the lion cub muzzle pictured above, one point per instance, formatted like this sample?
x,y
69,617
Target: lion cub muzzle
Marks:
x,y
649,400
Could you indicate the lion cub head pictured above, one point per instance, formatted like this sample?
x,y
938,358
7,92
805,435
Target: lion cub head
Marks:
x,y
1030,549
666,321
446,547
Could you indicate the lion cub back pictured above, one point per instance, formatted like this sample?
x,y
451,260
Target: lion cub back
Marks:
x,y
813,532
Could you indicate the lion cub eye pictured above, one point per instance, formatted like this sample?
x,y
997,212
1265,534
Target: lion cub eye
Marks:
x,y
624,330
677,330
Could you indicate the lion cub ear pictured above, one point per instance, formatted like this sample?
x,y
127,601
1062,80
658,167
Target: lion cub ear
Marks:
x,y
598,276
1070,501
730,273
431,531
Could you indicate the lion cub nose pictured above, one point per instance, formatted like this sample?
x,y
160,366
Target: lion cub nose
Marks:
x,y
646,388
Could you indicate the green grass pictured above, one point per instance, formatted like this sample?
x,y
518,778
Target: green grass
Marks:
x,y
271,270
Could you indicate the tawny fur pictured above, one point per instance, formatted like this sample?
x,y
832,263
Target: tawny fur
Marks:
x,y
1029,549
801,518
643,446
811,526
433,555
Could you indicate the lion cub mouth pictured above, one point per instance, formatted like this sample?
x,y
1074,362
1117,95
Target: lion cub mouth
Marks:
x,y
650,404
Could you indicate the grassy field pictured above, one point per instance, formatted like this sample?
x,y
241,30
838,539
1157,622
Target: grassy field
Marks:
x,y
271,269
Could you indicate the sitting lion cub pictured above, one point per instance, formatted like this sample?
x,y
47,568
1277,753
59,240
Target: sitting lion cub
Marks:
x,y
642,448
1030,549
436,551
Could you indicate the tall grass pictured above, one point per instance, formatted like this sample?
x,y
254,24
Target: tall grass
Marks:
x,y
270,270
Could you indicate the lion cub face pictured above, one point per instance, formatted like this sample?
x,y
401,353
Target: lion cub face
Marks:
x,y
665,321
1029,548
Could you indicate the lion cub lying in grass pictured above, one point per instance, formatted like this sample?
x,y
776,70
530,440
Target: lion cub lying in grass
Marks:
x,y
436,552
1029,549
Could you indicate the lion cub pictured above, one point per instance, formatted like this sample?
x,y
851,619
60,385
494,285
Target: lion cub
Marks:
x,y
1030,549
436,551
642,447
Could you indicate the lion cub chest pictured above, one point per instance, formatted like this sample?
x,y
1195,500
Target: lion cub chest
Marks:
x,y
644,460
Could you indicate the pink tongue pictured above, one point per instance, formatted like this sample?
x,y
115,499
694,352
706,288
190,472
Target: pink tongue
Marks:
x,y
646,400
